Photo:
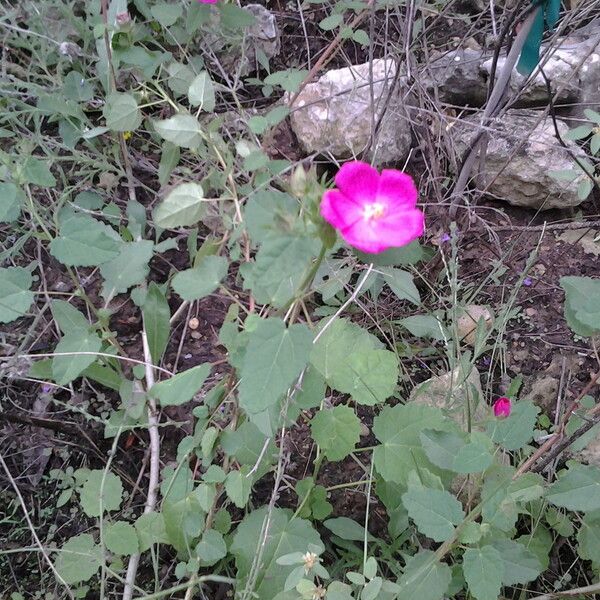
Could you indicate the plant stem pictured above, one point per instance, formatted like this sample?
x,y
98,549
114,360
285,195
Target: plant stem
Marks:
x,y
154,463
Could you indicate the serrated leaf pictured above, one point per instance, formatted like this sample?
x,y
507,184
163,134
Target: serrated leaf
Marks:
x,y
120,538
588,538
441,447
67,368
238,487
247,444
517,429
582,304
166,14
274,359
67,316
264,209
499,509
331,22
435,512
202,93
77,87
15,295
284,536
577,489
150,528
369,373
101,493
183,207
37,172
211,548
526,488
483,570
337,431
470,533
520,564
10,202
424,578
156,314
179,79
281,265
85,242
184,521
122,112
79,559
129,268
202,280
182,387
181,129
398,429
474,457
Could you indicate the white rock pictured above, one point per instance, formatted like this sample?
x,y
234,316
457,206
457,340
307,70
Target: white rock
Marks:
x,y
572,67
335,114
457,78
519,158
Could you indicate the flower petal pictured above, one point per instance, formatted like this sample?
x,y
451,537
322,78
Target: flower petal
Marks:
x,y
401,228
339,210
397,190
363,235
377,235
358,180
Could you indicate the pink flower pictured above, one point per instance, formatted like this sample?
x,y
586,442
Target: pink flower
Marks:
x,y
373,212
208,1
502,407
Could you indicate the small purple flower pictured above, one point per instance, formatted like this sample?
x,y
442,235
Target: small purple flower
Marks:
x,y
445,238
46,388
527,281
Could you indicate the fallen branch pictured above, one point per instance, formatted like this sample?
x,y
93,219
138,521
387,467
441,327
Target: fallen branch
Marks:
x,y
544,449
134,560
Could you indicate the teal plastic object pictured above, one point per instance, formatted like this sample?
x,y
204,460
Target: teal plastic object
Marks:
x,y
546,18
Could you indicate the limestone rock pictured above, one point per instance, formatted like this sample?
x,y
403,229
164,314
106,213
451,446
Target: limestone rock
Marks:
x,y
520,155
572,67
467,322
335,114
457,78
457,394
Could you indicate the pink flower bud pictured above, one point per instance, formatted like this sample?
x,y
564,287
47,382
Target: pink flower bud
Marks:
x,y
123,18
502,407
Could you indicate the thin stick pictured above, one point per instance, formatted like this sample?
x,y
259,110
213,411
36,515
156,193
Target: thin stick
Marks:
x,y
547,445
154,463
588,589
